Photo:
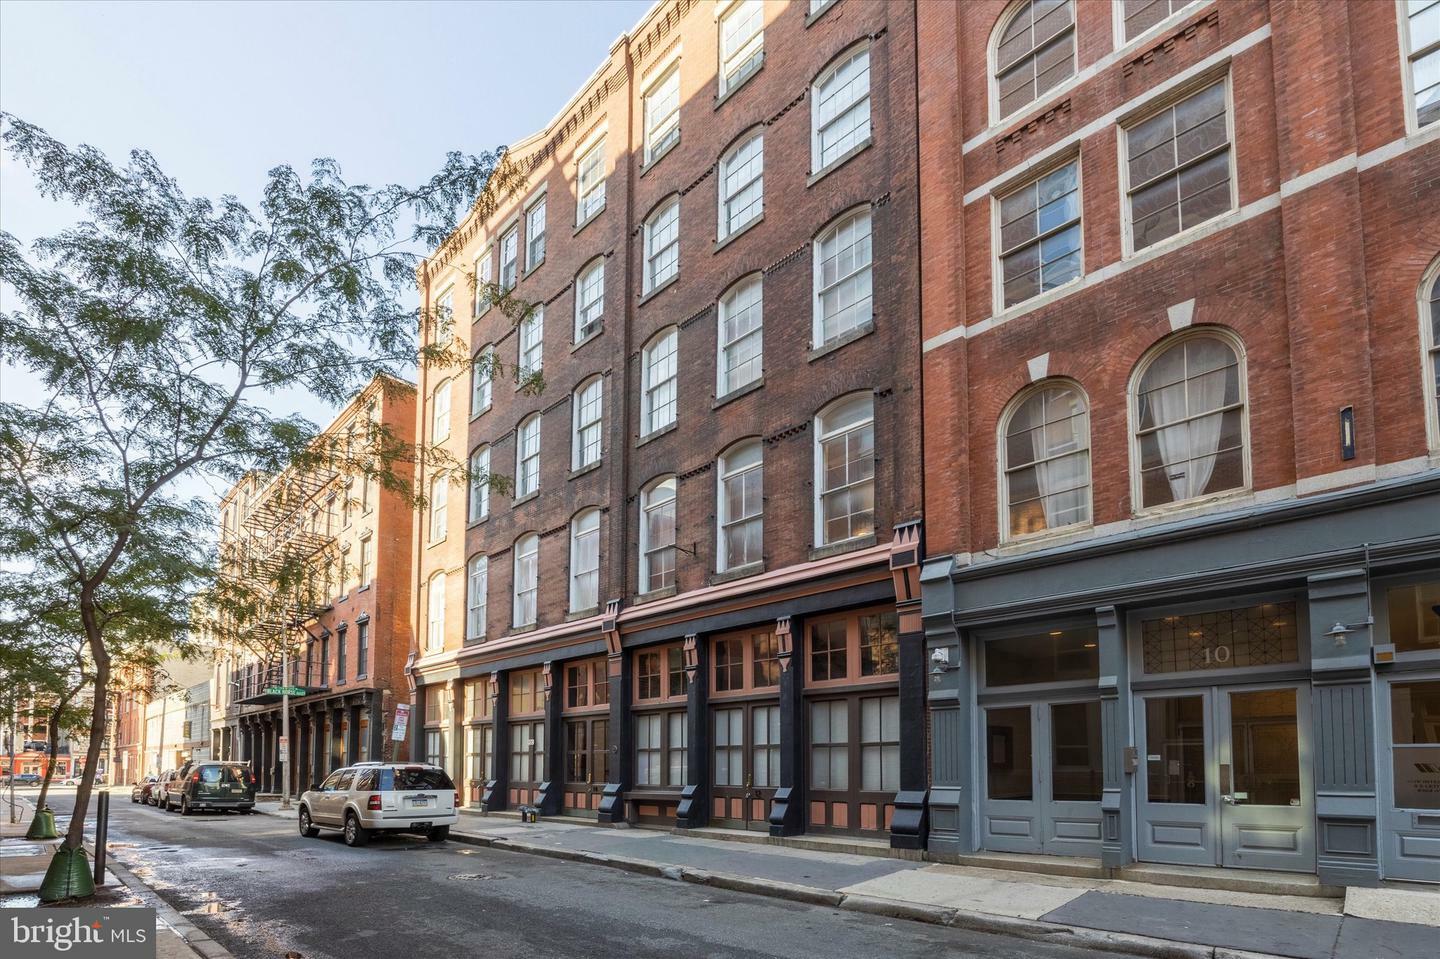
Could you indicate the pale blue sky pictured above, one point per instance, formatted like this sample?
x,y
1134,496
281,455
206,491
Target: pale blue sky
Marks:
x,y
222,92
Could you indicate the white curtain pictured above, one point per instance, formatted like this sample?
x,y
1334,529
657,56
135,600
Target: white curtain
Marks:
x,y
1196,441
1062,482
1168,405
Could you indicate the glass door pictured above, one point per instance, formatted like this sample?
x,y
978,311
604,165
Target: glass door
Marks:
x,y
1043,778
1410,841
746,757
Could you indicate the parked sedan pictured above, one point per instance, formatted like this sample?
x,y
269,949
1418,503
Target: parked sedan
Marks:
x,y
140,791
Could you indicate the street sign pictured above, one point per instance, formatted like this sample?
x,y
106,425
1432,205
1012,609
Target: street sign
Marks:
x,y
284,691
284,749
402,720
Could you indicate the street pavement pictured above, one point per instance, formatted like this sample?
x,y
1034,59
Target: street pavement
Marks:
x,y
255,886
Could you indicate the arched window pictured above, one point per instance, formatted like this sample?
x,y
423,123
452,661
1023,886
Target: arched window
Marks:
x,y
435,621
585,560
740,332
482,374
587,415
842,278
527,456
845,470
479,484
1189,416
662,245
440,412
741,506
657,535
439,507
1046,460
658,387
527,578
1034,52
589,300
840,108
477,587
742,184
1430,337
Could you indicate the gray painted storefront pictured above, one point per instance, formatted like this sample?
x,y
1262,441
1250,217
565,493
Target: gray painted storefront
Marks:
x,y
1324,553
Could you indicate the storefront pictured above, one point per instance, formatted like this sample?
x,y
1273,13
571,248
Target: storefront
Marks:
x,y
586,720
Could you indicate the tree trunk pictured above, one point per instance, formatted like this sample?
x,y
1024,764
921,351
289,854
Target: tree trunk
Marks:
x,y
54,752
75,835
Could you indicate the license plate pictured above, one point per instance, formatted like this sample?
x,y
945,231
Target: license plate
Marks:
x,y
417,826
419,802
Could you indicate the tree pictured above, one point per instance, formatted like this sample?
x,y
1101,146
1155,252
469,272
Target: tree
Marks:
x,y
160,327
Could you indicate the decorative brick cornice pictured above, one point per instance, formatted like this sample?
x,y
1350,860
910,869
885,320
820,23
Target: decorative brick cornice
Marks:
x,y
785,434
702,468
1019,134
1164,46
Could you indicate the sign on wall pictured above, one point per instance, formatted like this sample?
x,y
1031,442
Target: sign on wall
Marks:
x,y
402,721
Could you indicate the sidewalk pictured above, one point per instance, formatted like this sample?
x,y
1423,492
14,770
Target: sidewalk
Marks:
x,y
22,870
1120,916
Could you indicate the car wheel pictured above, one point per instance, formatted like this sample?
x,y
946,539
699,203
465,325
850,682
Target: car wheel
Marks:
x,y
355,834
439,833
307,828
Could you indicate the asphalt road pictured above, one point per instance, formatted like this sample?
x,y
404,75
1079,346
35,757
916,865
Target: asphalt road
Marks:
x,y
255,885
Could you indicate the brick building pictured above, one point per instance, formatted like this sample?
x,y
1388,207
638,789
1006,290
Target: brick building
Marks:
x,y
1180,325
683,609
348,655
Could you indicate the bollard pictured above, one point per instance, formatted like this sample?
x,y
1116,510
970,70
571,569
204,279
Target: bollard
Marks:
x,y
102,828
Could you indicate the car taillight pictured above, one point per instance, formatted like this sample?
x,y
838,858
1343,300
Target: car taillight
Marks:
x,y
374,802
195,778
457,799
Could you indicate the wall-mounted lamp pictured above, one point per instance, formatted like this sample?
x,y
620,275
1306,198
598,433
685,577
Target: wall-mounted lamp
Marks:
x,y
940,661
1339,631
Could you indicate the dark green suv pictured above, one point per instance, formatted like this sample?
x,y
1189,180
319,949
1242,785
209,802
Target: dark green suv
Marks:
x,y
211,785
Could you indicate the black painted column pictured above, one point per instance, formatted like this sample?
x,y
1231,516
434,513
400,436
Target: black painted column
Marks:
x,y
352,738
553,782
910,822
618,670
787,810
378,732
694,809
497,790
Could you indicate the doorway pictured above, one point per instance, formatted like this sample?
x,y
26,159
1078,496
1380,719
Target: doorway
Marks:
x,y
1410,816
747,763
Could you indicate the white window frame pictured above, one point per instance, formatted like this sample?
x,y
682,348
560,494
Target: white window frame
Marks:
x,y
477,588
1122,41
527,455
444,311
728,191
651,389
590,191
723,310
482,380
534,217
435,610
590,293
660,121
526,580
997,265
1429,352
818,455
817,333
1407,74
440,411
479,507
992,66
1132,402
647,503
484,275
530,342
1002,461
747,58
510,268
580,527
587,414
725,523
818,100
439,508
653,226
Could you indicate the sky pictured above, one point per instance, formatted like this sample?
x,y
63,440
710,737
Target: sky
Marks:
x,y
220,92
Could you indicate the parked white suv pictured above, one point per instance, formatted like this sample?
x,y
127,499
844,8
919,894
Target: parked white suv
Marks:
x,y
367,798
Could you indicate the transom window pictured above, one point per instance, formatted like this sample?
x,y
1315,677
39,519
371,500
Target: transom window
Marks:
x,y
1137,16
590,182
527,578
532,341
585,561
435,620
479,484
1040,235
535,233
741,333
587,413
857,646
1422,32
482,376
662,245
1047,461
1034,53
1178,167
744,662
527,457
742,42
477,586
439,507
741,506
660,674
657,535
662,114
845,470
1190,422
840,117
1244,638
586,684
589,301
440,413
842,278
1414,617
659,387
509,258
742,185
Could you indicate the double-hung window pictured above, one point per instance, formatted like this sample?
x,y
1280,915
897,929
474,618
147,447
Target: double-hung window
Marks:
x,y
742,42
589,300
585,561
1040,235
1422,53
510,258
440,413
742,185
658,398
435,621
477,585
590,182
587,412
1046,460
657,535
741,332
527,578
532,341
439,507
662,245
527,457
479,484
1178,167
842,278
482,375
535,233
845,470
484,276
1034,53
662,113
1137,16
840,117
741,506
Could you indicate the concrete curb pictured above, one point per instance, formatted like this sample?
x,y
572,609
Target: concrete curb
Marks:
x,y
197,942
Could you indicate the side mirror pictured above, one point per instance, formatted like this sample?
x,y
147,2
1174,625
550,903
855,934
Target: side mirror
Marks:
x,y
314,787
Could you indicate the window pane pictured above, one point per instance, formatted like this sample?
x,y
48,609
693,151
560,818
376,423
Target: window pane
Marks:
x,y
1414,616
1077,774
1008,753
1058,655
1265,744
1175,750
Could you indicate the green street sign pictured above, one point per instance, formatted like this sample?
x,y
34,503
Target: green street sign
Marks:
x,y
284,691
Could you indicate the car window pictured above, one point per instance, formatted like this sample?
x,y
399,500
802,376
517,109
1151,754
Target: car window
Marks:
x,y
410,778
366,780
346,778
210,774
331,780
236,774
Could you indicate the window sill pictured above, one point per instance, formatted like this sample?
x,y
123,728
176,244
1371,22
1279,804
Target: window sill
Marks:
x,y
589,468
740,84
430,545
663,593
481,412
654,161
581,614
738,392
845,339
363,589
588,220
812,17
656,434
593,336
525,499
737,233
530,271
669,282
478,522
1043,298
1060,536
844,546
840,161
1200,504
481,314
519,630
1175,240
739,572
